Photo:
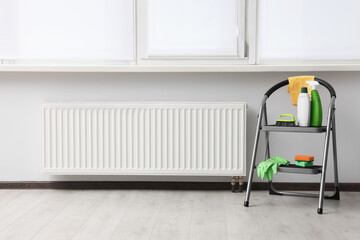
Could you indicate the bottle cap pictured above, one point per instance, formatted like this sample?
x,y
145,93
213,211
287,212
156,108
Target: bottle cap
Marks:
x,y
304,90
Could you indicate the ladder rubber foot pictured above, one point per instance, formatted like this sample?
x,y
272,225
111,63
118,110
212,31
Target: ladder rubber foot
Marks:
x,y
246,203
319,210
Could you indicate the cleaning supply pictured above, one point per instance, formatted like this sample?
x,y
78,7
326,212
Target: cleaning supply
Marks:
x,y
270,166
286,122
304,161
316,108
306,158
304,164
295,85
304,107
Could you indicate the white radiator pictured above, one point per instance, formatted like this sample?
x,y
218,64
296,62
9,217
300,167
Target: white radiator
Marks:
x,y
144,138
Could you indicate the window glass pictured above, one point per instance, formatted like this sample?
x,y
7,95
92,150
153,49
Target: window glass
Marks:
x,y
192,27
309,30
67,29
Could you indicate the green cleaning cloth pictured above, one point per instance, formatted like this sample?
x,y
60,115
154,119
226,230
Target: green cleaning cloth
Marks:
x,y
270,166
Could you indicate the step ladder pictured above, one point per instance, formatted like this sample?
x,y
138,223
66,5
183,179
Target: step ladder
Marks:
x,y
329,129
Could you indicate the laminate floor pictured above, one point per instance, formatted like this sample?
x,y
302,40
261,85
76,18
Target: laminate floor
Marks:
x,y
172,215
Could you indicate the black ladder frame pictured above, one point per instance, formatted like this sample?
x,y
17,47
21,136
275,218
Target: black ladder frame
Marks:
x,y
262,125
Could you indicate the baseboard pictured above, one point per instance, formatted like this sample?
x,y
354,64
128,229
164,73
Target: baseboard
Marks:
x,y
294,186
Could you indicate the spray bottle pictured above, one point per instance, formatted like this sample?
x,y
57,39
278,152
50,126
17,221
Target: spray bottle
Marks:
x,y
316,108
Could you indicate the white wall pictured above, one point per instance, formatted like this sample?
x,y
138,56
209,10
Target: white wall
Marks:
x,y
21,95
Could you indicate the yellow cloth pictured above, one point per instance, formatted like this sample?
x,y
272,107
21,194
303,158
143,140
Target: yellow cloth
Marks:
x,y
295,85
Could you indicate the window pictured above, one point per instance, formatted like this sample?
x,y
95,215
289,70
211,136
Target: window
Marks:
x,y
307,30
155,33
194,28
76,30
209,31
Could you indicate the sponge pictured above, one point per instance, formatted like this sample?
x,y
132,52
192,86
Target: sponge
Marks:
x,y
304,163
305,158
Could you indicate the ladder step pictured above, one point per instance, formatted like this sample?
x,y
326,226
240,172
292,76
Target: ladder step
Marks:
x,y
292,168
274,128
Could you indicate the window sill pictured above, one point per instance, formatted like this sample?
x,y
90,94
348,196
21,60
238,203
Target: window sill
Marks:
x,y
182,68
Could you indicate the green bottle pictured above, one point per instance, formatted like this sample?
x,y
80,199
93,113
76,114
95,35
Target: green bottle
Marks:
x,y
316,108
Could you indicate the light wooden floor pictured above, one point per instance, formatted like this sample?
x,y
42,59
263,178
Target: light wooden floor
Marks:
x,y
172,215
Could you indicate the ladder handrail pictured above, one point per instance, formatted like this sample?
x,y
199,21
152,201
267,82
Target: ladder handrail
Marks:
x,y
286,82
